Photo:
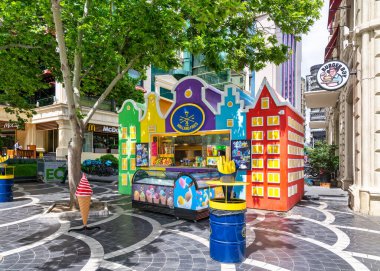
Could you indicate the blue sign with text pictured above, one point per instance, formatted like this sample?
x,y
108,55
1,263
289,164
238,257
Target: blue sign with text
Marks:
x,y
187,118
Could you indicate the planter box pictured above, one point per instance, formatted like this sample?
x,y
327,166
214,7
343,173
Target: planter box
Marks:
x,y
100,150
114,151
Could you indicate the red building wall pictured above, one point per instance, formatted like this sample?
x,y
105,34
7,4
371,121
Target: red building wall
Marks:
x,y
276,177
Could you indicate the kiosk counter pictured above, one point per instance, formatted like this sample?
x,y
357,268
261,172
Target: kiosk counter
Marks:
x,y
184,195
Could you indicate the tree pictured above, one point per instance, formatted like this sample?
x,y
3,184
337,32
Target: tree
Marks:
x,y
323,158
100,41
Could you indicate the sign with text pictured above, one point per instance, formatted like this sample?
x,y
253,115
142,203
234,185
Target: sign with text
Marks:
x,y
241,153
102,129
333,75
187,118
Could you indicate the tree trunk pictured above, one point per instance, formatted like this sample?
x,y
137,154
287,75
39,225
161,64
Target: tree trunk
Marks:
x,y
74,163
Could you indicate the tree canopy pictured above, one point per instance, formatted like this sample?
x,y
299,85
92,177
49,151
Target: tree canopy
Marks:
x,y
110,34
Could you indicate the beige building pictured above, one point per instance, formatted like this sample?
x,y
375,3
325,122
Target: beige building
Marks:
x,y
50,130
353,112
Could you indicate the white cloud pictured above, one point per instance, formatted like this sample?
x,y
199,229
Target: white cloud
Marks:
x,y
315,42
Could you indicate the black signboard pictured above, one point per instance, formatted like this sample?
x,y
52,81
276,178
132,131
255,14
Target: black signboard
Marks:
x,y
142,154
241,153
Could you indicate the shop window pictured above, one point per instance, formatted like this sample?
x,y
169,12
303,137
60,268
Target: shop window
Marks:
x,y
273,149
274,135
230,123
257,121
88,142
257,163
257,135
265,103
273,192
273,163
257,191
105,142
273,177
133,148
273,120
257,149
257,177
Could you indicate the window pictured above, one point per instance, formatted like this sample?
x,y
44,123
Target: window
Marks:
x,y
257,135
124,180
273,192
132,131
273,120
273,135
257,191
273,149
124,164
230,123
257,163
257,177
257,121
257,149
124,133
124,148
273,163
273,177
265,103
133,164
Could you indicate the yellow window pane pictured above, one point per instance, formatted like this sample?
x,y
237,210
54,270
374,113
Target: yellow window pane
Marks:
x,y
257,191
260,191
264,103
124,180
230,123
124,148
257,177
124,132
257,135
257,121
273,120
133,148
133,164
257,163
257,149
124,164
277,193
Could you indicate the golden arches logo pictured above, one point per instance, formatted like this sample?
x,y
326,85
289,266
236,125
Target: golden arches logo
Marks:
x,y
91,127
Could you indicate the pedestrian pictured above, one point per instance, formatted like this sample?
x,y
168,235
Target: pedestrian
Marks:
x,y
66,171
17,146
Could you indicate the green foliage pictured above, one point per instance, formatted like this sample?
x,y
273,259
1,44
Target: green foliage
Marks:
x,y
323,158
113,159
115,33
25,170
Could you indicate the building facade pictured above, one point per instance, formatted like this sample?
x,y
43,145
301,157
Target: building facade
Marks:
x,y
353,117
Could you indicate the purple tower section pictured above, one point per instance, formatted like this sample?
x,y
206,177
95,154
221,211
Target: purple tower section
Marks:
x,y
190,91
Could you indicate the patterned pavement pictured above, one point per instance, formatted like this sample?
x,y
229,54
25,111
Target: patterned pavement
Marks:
x,y
321,234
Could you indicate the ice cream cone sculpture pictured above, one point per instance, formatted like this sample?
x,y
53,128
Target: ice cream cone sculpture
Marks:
x,y
83,195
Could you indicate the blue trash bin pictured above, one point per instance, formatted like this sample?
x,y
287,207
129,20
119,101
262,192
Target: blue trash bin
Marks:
x,y
227,235
6,193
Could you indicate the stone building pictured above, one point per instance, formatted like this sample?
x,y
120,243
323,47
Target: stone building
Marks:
x,y
353,121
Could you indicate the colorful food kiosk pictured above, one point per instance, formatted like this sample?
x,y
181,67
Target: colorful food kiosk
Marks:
x,y
187,134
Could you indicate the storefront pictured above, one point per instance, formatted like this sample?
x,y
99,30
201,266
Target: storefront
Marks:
x,y
201,124
101,139
8,133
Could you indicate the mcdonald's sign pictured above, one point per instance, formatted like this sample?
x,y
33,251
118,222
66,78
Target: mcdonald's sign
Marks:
x,y
91,127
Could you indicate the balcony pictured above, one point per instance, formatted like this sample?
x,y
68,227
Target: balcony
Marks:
x,y
321,98
317,120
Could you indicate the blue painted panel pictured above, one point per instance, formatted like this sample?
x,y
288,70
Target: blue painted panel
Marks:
x,y
239,191
231,110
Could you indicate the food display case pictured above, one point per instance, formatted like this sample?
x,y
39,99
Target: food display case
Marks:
x,y
184,195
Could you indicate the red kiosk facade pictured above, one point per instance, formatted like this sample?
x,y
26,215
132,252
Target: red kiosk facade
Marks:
x,y
276,131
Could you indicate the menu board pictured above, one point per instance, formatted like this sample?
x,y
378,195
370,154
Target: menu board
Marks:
x,y
142,154
241,153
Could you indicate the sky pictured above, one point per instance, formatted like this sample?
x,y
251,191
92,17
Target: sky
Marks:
x,y
315,42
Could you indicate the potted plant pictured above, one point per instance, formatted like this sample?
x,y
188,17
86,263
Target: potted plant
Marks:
x,y
323,159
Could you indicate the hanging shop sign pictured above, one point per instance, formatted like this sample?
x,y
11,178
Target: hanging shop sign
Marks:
x,y
187,118
101,128
333,75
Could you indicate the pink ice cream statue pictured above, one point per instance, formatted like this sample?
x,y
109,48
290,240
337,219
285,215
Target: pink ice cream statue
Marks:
x,y
83,194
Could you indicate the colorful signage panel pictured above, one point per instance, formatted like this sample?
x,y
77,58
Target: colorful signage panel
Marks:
x,y
333,75
187,118
241,153
142,154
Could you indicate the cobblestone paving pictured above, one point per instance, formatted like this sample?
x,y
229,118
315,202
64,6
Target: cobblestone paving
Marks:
x,y
321,235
